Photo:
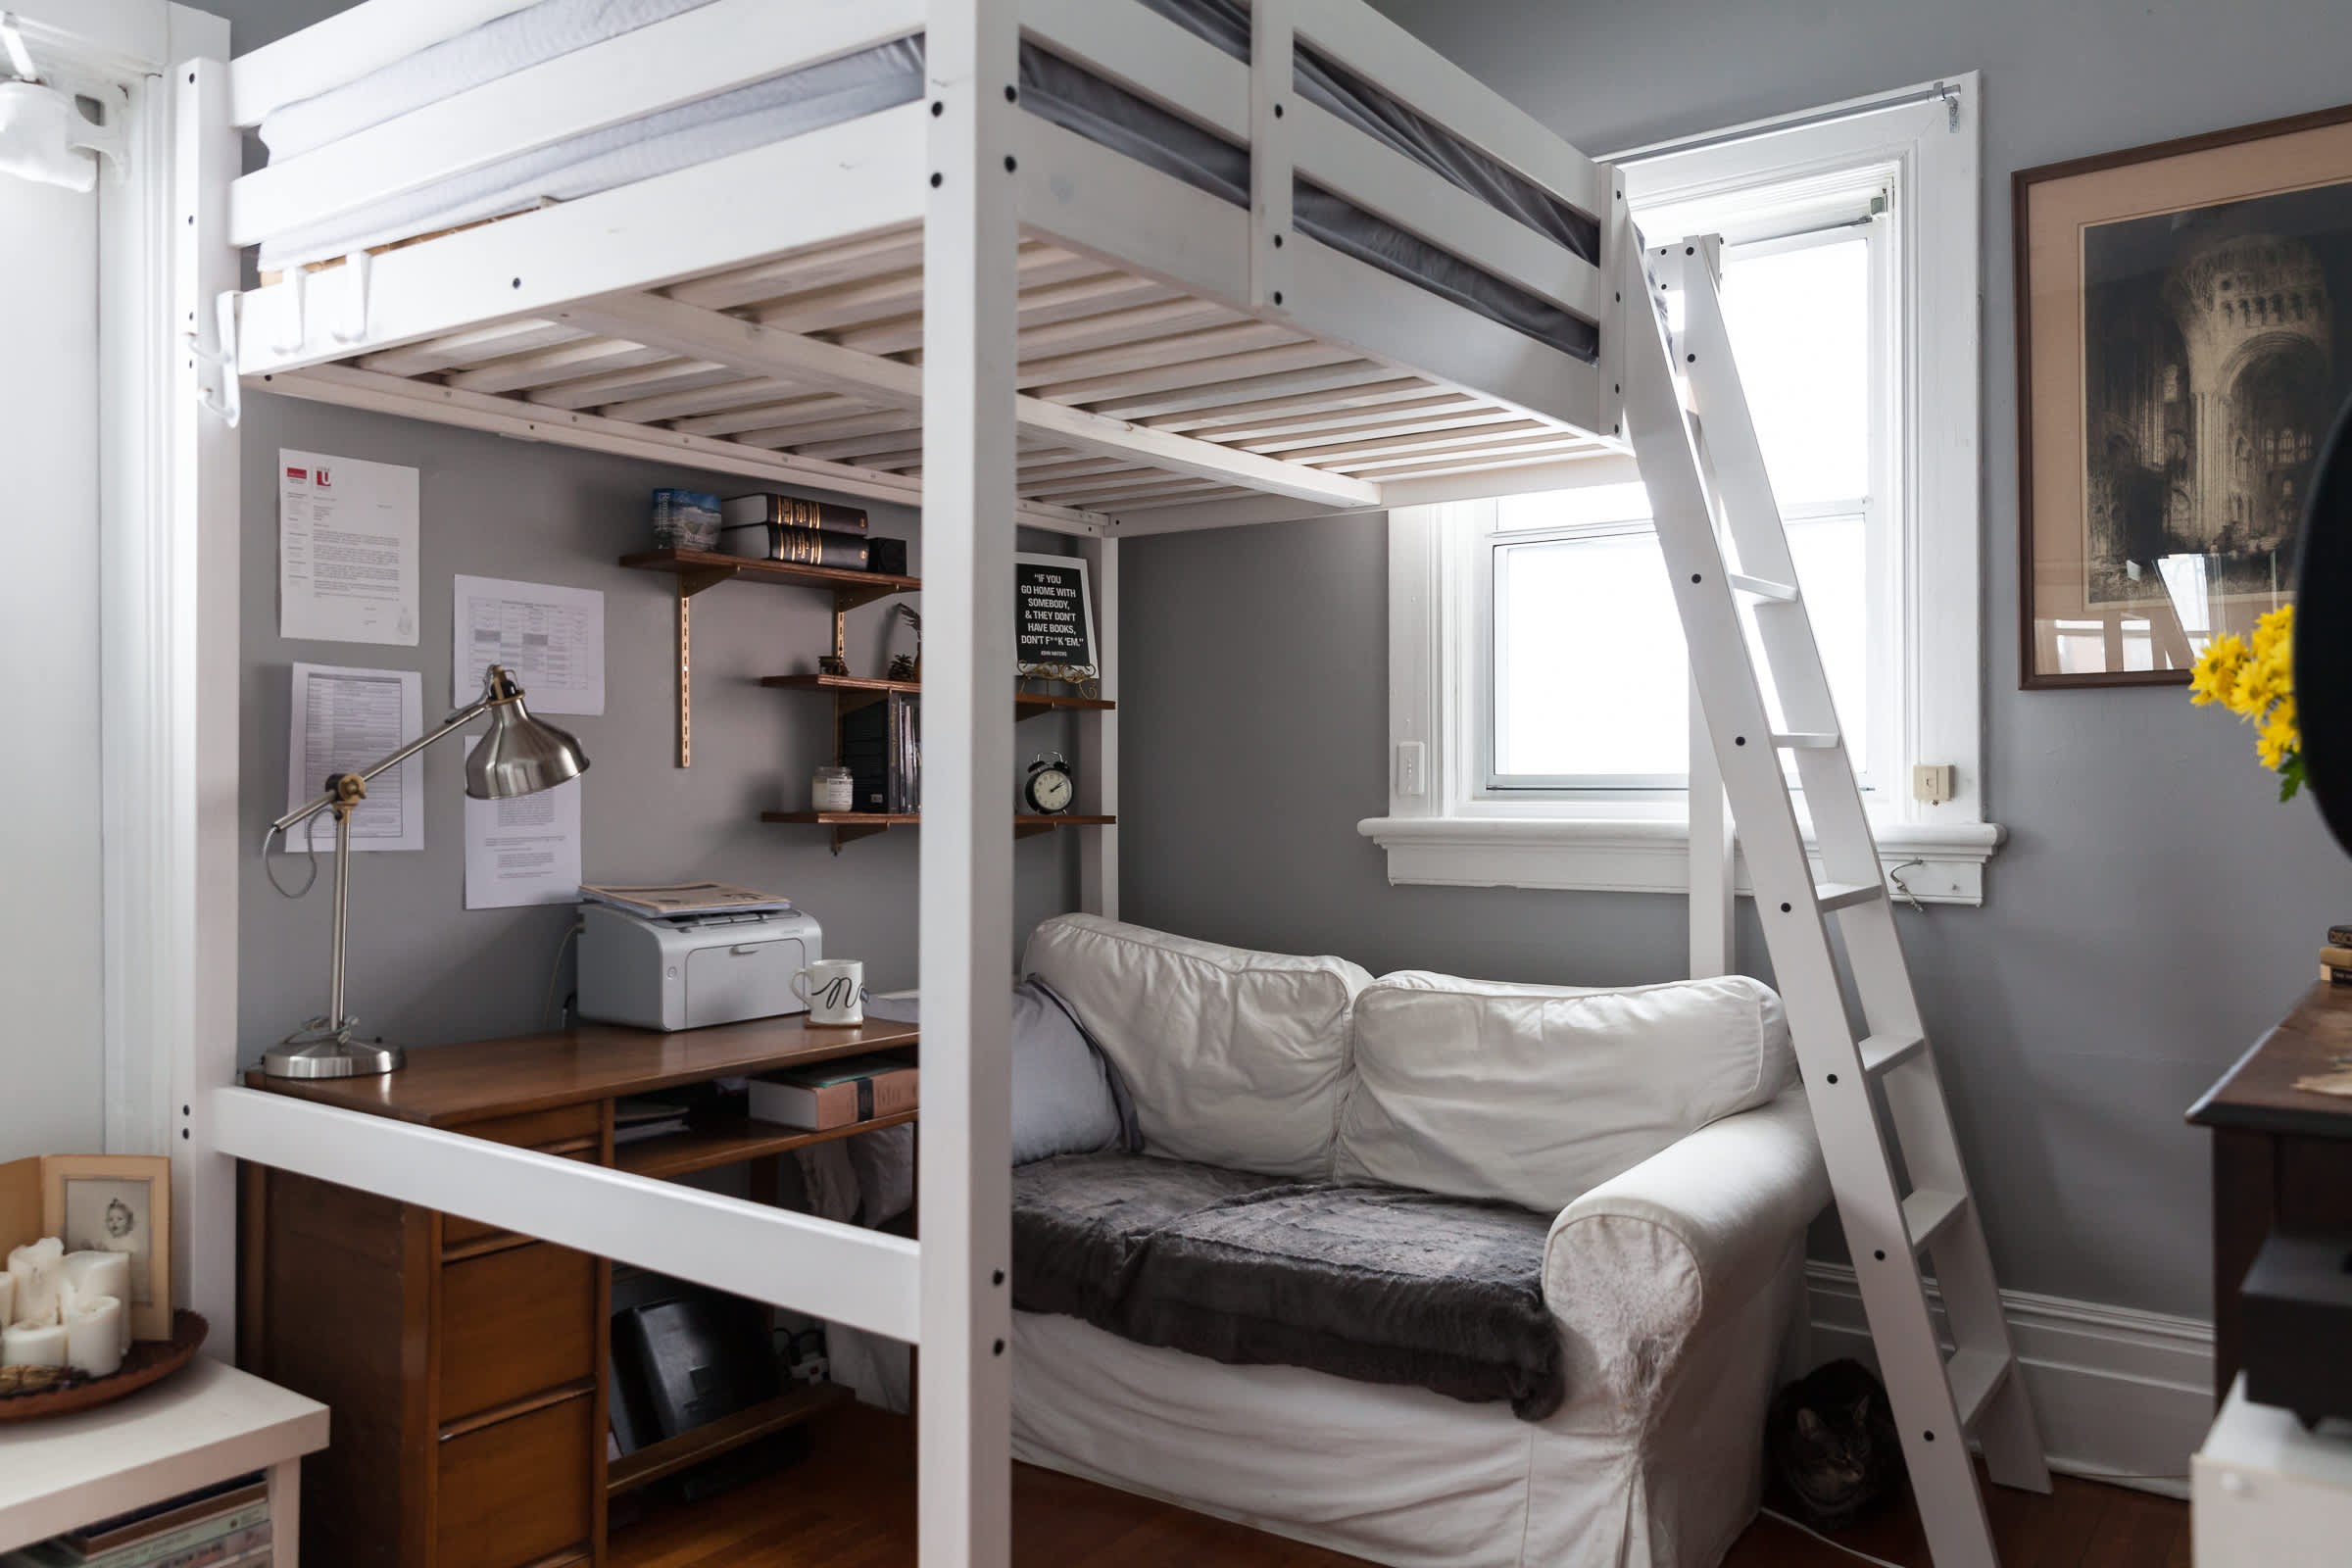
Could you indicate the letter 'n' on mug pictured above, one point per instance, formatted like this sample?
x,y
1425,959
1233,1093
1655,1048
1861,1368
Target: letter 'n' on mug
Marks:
x,y
835,990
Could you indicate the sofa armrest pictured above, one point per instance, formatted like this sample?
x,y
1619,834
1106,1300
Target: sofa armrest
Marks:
x,y
1636,1267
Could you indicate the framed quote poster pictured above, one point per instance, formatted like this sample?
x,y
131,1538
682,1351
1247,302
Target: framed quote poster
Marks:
x,y
2181,320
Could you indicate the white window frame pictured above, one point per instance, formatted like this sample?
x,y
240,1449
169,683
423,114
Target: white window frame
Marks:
x,y
1444,827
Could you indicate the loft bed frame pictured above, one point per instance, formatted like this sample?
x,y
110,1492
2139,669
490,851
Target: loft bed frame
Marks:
x,y
962,307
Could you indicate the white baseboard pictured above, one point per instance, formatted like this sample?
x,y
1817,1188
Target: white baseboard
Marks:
x,y
2119,1392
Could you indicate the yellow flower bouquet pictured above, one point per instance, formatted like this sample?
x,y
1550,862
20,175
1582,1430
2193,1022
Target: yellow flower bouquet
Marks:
x,y
2256,681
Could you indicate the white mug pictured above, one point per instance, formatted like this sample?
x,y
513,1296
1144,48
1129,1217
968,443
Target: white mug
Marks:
x,y
834,990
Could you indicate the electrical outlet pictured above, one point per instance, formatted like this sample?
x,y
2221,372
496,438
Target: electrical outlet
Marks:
x,y
1931,783
1412,769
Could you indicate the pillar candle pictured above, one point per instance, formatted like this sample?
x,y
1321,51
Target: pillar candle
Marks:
x,y
93,1330
37,1271
33,1343
97,1273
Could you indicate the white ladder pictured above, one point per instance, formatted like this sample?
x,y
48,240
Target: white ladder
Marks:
x,y
1699,467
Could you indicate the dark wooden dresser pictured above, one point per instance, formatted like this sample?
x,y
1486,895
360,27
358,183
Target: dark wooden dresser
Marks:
x,y
2281,1155
466,1367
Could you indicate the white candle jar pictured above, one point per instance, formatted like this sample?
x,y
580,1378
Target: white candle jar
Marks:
x,y
831,790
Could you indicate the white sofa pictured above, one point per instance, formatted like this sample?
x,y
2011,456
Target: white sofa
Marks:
x,y
1664,1126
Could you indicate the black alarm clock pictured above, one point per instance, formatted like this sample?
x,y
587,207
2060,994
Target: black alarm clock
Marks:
x,y
1049,788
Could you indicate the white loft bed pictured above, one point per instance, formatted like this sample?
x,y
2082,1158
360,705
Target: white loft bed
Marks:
x,y
949,301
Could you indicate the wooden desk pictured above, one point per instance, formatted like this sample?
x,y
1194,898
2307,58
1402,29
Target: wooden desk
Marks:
x,y
468,1367
197,1428
2281,1155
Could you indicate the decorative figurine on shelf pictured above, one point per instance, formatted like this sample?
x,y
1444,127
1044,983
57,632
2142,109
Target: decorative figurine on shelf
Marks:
x,y
1049,788
832,664
910,666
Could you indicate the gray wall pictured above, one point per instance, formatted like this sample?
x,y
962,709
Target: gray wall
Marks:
x,y
2154,909
423,968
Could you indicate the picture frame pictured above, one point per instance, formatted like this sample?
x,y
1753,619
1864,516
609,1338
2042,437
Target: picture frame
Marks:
x,y
2184,343
1054,620
121,1203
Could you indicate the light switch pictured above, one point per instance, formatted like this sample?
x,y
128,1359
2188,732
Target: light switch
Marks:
x,y
1931,783
1412,769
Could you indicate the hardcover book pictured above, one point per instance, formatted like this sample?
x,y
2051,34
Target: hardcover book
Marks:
x,y
790,511
800,546
836,1094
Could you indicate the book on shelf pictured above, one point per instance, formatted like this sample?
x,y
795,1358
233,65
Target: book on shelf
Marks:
x,y
170,1515
881,745
797,547
210,1543
634,1122
790,511
683,898
836,1094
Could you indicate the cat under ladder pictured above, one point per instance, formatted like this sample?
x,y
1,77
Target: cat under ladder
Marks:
x,y
1706,478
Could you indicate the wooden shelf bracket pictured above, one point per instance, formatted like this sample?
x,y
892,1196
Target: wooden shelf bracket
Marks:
x,y
691,582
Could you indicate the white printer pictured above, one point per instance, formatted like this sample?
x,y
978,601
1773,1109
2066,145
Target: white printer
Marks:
x,y
682,971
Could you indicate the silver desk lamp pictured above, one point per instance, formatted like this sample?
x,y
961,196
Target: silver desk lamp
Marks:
x,y
519,755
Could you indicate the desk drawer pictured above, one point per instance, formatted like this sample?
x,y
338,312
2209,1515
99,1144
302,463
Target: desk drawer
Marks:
x,y
514,1324
518,1492
570,1131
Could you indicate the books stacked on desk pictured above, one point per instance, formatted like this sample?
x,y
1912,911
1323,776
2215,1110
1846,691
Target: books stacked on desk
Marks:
x,y
806,533
227,1525
881,745
2336,958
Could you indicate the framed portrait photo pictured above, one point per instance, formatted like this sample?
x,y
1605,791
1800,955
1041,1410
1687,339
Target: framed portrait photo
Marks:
x,y
117,1204
2182,321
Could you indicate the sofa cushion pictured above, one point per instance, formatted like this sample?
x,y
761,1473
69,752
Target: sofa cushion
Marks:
x,y
1377,1284
1232,1057
1534,1093
1067,1099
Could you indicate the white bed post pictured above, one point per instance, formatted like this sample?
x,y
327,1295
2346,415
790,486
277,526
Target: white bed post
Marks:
x,y
969,244
1098,740
1711,850
198,602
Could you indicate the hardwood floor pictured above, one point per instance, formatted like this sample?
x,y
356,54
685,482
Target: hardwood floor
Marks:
x,y
851,1505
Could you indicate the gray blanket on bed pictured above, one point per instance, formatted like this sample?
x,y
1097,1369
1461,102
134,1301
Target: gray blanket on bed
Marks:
x,y
1378,1284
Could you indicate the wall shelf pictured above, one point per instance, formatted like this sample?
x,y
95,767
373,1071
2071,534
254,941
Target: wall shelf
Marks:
x,y
1025,705
730,1141
848,825
699,569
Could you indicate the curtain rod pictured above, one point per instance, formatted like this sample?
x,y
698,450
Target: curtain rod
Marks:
x,y
1942,92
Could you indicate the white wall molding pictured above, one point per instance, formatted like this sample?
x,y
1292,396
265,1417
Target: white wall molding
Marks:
x,y
2119,1392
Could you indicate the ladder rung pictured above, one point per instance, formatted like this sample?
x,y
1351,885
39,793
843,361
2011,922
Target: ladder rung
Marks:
x,y
1976,1376
1928,1211
1836,896
1886,1052
1804,740
1764,588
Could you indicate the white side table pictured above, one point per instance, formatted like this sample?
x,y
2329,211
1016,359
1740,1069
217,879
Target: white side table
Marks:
x,y
2267,1493
203,1425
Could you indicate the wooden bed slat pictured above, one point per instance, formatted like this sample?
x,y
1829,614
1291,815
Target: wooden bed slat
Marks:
x,y
666,406
570,362
803,271
478,347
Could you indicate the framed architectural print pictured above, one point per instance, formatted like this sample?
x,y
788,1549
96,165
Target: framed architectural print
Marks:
x,y
2181,320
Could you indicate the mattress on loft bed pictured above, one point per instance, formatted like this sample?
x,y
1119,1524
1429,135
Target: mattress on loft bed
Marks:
x,y
883,78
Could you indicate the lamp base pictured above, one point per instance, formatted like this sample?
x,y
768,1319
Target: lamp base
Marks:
x,y
331,1058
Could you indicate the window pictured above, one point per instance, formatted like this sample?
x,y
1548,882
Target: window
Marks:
x,y
1848,278
1575,575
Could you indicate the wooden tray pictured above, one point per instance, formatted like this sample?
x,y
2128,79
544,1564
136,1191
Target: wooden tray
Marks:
x,y
148,1361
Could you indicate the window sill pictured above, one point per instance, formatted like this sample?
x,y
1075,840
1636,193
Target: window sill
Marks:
x,y
1635,856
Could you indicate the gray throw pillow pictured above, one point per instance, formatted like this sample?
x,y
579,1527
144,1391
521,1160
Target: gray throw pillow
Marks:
x,y
1067,1098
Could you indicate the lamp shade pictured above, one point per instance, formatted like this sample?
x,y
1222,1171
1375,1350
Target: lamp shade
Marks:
x,y
519,755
